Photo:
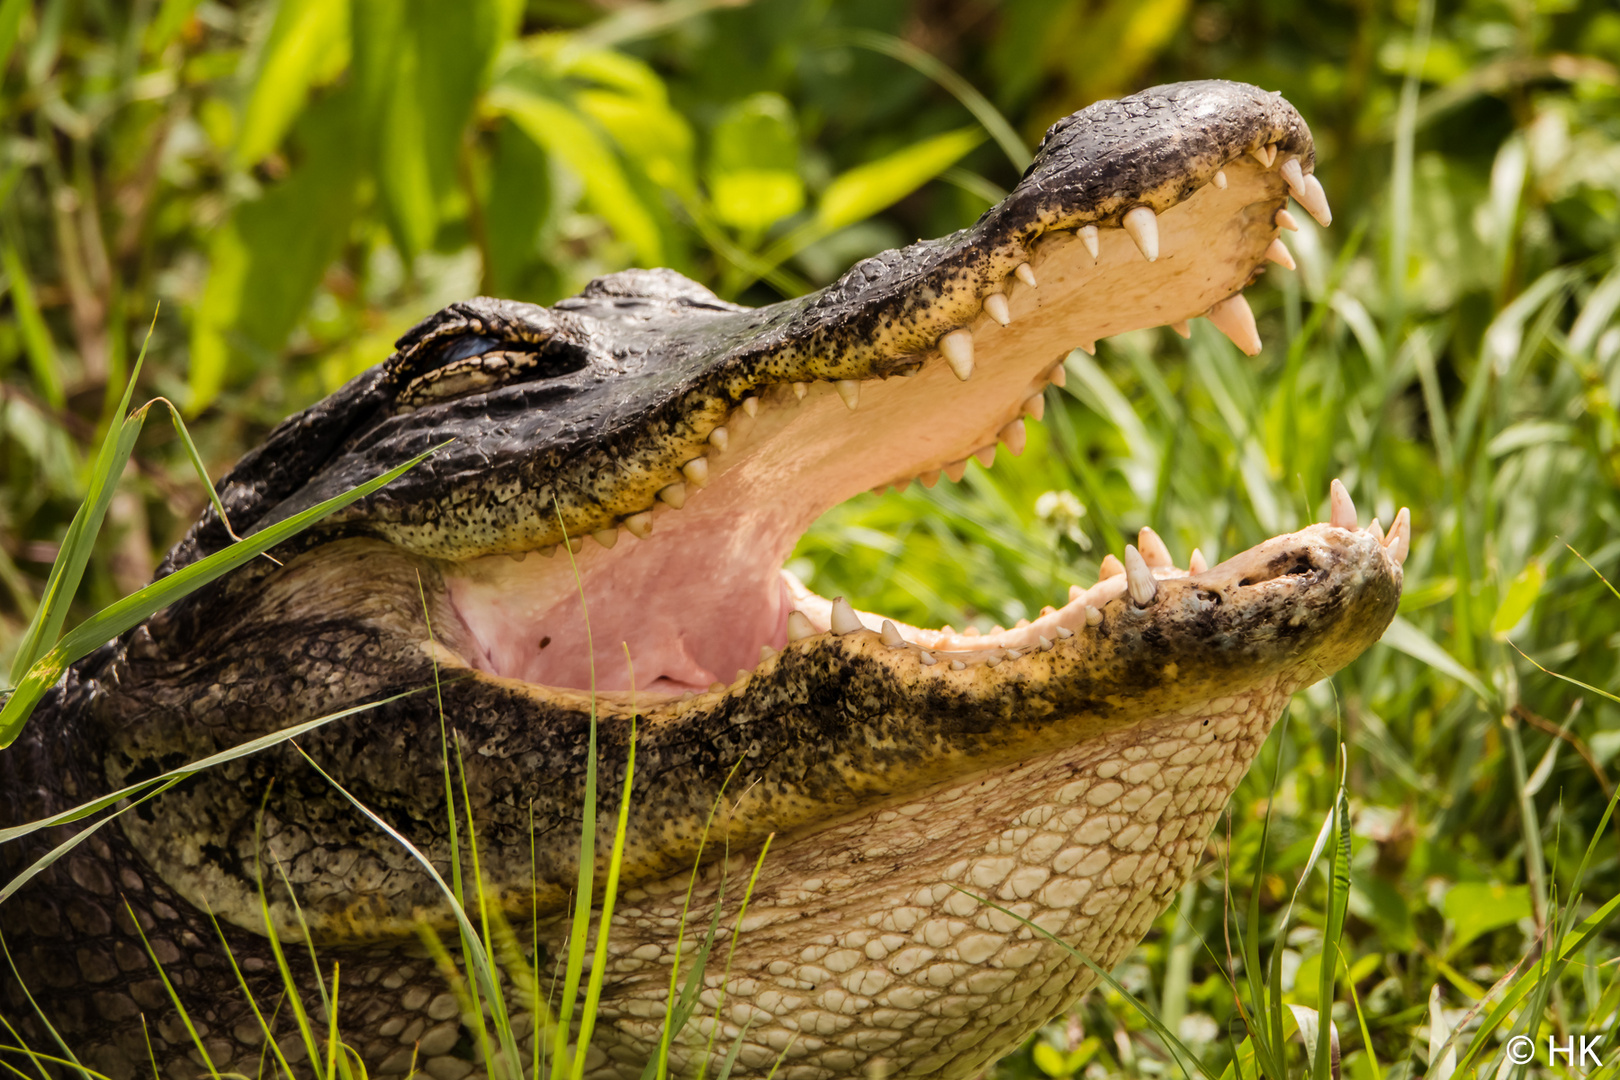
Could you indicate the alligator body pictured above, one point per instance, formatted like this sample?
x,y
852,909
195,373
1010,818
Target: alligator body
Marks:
x,y
1068,770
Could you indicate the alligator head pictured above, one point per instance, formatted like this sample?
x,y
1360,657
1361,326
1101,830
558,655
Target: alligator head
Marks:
x,y
604,531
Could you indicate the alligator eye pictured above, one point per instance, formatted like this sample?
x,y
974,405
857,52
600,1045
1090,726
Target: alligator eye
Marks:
x,y
479,345
487,364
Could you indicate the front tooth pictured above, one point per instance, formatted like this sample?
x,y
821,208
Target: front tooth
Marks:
x,y
1233,318
1399,541
798,626
900,486
1341,510
928,479
765,653
957,665
957,349
606,537
986,455
548,552
927,657
1263,154
1196,563
1138,578
1294,176
1153,549
1046,643
1220,179
995,306
1285,220
674,495
1035,405
843,617
718,438
575,543
1111,567
1064,632
640,525
850,391
1377,530
1088,237
1023,273
1181,328
891,635
1278,253
1143,225
696,471
750,405
1014,436
955,470
517,556
1059,376
1093,616
800,389
1315,201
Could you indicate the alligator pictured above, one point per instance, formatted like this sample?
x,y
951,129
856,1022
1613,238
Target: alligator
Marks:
x,y
599,538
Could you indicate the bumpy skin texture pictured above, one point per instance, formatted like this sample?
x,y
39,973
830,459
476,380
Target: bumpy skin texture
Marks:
x,y
1075,784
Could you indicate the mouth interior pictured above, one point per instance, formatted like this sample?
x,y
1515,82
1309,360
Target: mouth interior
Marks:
x,y
694,603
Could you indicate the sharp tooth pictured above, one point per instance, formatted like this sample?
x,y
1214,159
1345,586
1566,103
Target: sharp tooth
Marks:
x,y
957,665
1180,327
718,438
1093,616
1220,179
1014,436
606,537
995,306
900,486
891,635
696,471
1023,273
1196,563
1035,406
1294,176
1014,654
928,479
1065,632
800,389
1233,318
798,626
1376,529
765,653
674,495
986,455
1154,552
548,552
843,617
750,405
1399,541
850,391
926,657
1059,376
1263,154
1315,201
1088,347
1278,253
717,688
1111,567
1046,643
1285,220
957,349
575,543
1088,237
1341,510
517,556
955,470
640,525
992,660
1138,578
1143,225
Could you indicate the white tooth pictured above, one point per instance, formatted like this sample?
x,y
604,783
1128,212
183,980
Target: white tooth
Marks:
x,y
1035,406
1088,347
606,537
995,306
718,438
1400,536
926,657
1111,567
1234,318
957,665
1341,510
696,471
1376,530
765,653
1264,155
548,552
1285,220
986,455
955,470
850,391
1143,225
1294,176
891,635
992,660
1088,237
928,479
674,495
1014,436
1278,253
1065,632
1196,563
1093,616
1014,654
800,389
1315,201
750,405
640,525
1059,376
1220,179
575,543
517,556
798,626
957,349
1153,549
1138,578
1180,327
1046,643
843,617
1023,273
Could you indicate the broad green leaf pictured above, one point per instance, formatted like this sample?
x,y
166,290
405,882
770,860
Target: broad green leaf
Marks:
x,y
649,133
308,46
1520,598
1049,1059
518,204
753,170
864,190
1474,908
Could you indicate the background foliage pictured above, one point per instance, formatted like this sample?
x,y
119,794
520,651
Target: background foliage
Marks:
x,y
298,182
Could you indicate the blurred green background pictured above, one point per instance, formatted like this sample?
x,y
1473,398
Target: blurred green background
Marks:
x,y
293,184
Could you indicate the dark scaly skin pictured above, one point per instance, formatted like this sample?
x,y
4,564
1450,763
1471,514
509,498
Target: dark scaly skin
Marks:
x,y
587,410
